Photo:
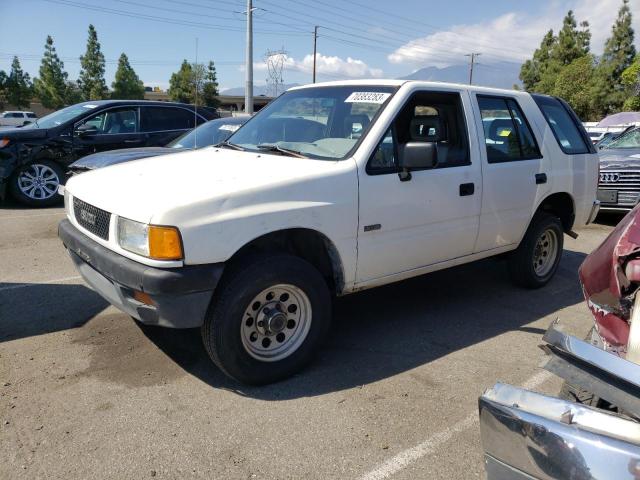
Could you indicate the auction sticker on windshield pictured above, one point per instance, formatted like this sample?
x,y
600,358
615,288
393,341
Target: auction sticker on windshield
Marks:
x,y
367,97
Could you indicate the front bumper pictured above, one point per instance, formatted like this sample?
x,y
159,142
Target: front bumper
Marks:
x,y
526,435
179,296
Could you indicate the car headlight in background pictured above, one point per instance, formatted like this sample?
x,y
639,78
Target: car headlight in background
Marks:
x,y
152,241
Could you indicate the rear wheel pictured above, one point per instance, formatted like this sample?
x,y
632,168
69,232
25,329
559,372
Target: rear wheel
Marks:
x,y
36,184
267,319
536,259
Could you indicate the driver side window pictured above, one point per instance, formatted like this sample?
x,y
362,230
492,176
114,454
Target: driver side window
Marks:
x,y
429,117
115,121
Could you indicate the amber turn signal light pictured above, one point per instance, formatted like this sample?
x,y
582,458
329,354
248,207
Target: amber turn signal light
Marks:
x,y
142,297
4,142
165,243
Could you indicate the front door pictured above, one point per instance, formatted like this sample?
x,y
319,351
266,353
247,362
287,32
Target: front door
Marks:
x,y
406,224
114,128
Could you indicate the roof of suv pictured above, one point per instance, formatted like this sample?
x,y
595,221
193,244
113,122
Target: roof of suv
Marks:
x,y
398,83
136,102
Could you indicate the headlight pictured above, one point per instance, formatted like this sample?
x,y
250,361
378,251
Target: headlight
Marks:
x,y
153,241
67,202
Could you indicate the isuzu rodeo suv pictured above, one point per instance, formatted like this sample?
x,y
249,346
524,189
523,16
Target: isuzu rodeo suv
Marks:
x,y
330,189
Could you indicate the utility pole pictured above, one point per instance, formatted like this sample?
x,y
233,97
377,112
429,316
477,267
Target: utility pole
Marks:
x,y
315,41
248,88
473,57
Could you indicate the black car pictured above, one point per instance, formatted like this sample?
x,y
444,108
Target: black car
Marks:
x,y
33,159
210,133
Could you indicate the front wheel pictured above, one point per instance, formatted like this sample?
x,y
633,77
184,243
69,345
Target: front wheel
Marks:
x,y
536,259
267,319
36,184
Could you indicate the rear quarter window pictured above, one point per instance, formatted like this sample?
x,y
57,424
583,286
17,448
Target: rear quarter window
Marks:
x,y
569,134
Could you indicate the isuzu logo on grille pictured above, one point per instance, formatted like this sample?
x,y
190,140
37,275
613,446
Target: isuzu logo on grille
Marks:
x,y
609,177
88,217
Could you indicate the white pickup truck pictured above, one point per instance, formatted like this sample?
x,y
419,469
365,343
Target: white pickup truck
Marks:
x,y
330,189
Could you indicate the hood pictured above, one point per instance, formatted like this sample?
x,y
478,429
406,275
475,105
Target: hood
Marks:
x,y
23,133
609,277
178,187
113,157
619,158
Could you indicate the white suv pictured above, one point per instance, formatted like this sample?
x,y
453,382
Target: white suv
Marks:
x,y
330,189
16,118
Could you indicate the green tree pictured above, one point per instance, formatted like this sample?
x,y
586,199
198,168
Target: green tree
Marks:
x,y
210,87
532,70
618,55
127,85
51,86
18,86
73,93
631,80
181,84
574,84
3,88
91,81
572,43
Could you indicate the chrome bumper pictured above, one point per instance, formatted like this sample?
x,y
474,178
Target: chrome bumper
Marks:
x,y
528,435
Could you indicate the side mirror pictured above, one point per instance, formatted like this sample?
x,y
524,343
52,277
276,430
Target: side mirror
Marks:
x,y
86,130
416,156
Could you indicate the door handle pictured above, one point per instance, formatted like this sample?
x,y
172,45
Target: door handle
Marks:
x,y
541,178
137,140
467,189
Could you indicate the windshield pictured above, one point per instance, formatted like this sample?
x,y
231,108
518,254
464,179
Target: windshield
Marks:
x,y
209,133
320,122
62,116
628,140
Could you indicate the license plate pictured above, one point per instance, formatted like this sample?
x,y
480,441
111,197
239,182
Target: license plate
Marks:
x,y
608,196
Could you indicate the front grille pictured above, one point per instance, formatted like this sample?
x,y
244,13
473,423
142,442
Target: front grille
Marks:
x,y
619,179
92,218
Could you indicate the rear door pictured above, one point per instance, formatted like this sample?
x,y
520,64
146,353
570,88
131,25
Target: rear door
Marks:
x,y
515,173
164,124
433,217
115,128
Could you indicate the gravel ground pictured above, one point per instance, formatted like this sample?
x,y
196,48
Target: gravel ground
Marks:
x,y
86,392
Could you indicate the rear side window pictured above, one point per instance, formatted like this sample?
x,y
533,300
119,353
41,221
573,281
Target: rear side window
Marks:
x,y
31,115
157,119
507,134
563,125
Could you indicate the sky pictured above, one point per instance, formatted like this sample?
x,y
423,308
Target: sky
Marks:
x,y
356,38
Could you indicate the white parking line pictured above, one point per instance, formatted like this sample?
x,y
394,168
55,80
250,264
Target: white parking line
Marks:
x,y
406,457
25,285
11,217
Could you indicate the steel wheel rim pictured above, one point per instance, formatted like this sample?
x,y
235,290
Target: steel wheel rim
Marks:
x,y
545,252
276,322
38,181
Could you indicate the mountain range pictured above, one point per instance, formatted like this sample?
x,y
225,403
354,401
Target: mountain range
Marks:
x,y
499,75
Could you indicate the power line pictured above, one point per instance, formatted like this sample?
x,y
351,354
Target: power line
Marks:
x,y
164,19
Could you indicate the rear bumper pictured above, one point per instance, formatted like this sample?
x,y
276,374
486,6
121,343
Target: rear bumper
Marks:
x,y
179,296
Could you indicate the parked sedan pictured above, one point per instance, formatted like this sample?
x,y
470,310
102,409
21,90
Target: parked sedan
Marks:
x,y
619,184
210,133
33,159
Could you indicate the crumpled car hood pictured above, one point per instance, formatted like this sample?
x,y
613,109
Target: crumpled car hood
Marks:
x,y
605,281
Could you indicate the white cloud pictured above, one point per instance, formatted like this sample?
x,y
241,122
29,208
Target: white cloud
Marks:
x,y
332,66
510,37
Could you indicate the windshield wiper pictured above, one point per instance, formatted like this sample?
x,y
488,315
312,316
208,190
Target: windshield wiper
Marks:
x,y
229,145
274,147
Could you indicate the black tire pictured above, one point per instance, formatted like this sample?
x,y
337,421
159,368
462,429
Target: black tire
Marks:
x,y
18,194
521,261
221,331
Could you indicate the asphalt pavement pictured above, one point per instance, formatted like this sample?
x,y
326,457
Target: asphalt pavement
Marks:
x,y
86,392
